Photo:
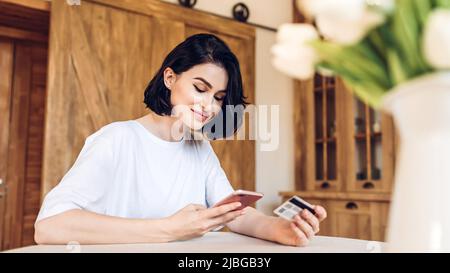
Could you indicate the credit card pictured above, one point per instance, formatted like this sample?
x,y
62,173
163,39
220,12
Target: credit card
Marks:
x,y
292,207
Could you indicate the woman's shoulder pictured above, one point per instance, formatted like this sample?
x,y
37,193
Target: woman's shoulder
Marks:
x,y
113,131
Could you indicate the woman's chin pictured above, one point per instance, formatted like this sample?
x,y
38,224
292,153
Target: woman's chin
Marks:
x,y
194,125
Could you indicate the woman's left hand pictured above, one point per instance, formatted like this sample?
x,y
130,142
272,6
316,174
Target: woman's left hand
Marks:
x,y
301,229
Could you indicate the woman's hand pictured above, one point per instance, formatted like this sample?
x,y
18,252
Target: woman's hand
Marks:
x,y
196,220
301,229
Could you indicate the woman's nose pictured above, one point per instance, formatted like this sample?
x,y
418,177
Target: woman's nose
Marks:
x,y
207,101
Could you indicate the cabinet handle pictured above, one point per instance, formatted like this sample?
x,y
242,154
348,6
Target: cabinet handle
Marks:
x,y
368,185
351,205
325,185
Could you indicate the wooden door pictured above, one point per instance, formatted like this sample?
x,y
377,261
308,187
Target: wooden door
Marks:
x,y
6,72
99,65
23,65
102,55
22,102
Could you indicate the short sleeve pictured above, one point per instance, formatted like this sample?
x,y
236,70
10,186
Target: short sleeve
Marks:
x,y
85,185
217,184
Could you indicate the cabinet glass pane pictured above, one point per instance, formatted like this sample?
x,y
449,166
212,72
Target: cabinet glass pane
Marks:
x,y
331,152
325,128
318,115
368,142
319,161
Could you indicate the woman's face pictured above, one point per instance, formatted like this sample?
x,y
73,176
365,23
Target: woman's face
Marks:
x,y
197,94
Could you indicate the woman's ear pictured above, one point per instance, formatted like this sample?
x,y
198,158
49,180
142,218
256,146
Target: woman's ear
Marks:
x,y
169,77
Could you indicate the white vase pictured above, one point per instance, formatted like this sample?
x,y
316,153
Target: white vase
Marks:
x,y
419,219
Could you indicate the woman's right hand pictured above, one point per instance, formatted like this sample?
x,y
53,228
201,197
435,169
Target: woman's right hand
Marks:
x,y
196,220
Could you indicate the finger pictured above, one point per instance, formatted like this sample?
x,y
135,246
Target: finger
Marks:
x,y
217,211
321,213
228,217
301,237
304,226
195,207
311,219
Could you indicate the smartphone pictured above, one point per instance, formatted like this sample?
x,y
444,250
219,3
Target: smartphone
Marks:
x,y
245,197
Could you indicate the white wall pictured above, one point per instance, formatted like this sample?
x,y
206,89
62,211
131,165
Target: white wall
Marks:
x,y
274,169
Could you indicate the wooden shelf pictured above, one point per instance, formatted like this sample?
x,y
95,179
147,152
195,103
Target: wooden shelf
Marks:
x,y
320,89
380,197
363,136
328,140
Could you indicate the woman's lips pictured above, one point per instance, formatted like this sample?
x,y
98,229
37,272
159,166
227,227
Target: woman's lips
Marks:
x,y
201,116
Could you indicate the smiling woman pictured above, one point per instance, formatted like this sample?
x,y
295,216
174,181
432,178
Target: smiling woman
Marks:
x,y
142,181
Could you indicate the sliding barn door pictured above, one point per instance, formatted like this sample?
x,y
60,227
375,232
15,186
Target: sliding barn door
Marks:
x,y
102,55
99,65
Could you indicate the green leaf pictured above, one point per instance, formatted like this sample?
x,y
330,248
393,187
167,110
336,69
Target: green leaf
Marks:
x,y
376,40
397,71
358,60
369,93
405,32
422,9
442,4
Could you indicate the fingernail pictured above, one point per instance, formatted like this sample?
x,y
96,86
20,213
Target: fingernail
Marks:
x,y
238,204
242,212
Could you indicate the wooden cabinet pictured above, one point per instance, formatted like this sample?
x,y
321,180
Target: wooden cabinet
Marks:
x,y
351,215
101,56
344,157
343,144
344,150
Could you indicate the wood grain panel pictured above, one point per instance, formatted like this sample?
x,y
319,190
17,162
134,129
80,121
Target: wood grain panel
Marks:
x,y
17,145
192,17
32,191
6,74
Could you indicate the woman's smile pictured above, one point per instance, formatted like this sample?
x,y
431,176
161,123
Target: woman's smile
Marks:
x,y
200,115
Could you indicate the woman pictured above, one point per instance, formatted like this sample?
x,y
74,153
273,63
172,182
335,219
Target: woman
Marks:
x,y
143,180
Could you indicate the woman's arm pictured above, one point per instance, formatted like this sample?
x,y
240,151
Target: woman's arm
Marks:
x,y
296,233
255,224
86,227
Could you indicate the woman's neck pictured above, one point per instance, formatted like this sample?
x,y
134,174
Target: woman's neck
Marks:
x,y
165,127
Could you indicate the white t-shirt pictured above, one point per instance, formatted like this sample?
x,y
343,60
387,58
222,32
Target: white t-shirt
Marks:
x,y
123,170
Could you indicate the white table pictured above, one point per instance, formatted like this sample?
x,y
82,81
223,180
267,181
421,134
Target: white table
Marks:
x,y
218,242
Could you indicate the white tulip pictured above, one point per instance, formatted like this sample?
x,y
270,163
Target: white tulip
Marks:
x,y
292,55
386,6
437,39
346,21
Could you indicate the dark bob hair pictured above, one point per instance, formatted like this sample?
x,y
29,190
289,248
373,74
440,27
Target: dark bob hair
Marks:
x,y
195,50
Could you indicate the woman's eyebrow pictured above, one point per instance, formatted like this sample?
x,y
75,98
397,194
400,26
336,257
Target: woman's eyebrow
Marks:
x,y
204,81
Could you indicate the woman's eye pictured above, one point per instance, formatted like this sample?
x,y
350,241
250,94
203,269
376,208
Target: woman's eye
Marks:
x,y
219,98
198,89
